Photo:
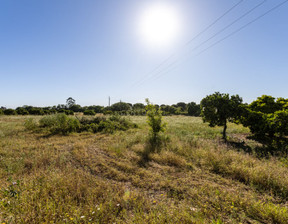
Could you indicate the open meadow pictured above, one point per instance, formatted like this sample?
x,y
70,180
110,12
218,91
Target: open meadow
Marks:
x,y
195,177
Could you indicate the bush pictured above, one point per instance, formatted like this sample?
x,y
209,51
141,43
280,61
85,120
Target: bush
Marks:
x,y
36,111
22,111
30,124
89,112
63,124
10,112
60,124
1,112
67,112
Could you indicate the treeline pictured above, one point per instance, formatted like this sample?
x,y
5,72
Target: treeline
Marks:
x,y
122,108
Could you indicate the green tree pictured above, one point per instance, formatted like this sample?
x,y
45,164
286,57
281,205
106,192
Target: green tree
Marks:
x,y
120,106
267,119
219,108
154,120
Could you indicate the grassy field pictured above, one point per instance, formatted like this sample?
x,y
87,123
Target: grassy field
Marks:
x,y
108,178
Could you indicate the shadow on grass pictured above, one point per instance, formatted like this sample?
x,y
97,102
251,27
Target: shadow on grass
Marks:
x,y
269,147
152,145
240,146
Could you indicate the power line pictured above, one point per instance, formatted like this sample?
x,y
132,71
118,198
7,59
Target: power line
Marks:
x,y
187,43
233,33
230,24
212,24
243,27
213,36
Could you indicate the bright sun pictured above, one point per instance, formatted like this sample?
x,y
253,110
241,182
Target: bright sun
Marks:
x,y
159,25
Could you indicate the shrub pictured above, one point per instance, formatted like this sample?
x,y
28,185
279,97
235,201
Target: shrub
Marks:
x,y
1,112
67,112
63,124
30,124
89,112
10,112
22,111
60,124
36,111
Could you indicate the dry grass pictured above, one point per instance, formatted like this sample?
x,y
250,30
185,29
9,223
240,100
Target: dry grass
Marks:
x,y
105,178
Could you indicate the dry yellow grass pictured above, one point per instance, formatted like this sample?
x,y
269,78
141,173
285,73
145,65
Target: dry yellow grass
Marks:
x,y
103,178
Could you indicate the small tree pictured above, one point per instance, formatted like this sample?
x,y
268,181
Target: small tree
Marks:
x,y
154,119
219,108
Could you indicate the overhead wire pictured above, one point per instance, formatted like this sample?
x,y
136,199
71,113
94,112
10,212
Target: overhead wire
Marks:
x,y
207,40
233,33
187,43
244,26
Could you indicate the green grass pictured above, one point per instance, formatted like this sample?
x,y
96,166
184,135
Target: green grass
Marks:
x,y
105,178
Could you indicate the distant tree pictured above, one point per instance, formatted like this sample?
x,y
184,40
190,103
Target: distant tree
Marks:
x,y
76,108
53,111
138,106
70,102
178,111
22,111
96,108
121,106
36,111
61,106
194,109
219,108
67,112
10,112
1,112
182,105
89,112
165,109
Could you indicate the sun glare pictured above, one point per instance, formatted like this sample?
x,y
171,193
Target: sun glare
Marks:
x,y
159,25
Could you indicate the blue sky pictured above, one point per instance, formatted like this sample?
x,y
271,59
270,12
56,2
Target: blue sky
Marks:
x,y
89,50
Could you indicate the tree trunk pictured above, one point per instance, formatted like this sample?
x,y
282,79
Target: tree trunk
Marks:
x,y
224,131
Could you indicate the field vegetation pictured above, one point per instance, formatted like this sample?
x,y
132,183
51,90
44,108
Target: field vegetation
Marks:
x,y
87,176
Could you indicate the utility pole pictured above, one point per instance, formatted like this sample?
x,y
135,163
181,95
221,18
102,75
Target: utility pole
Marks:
x,y
109,101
